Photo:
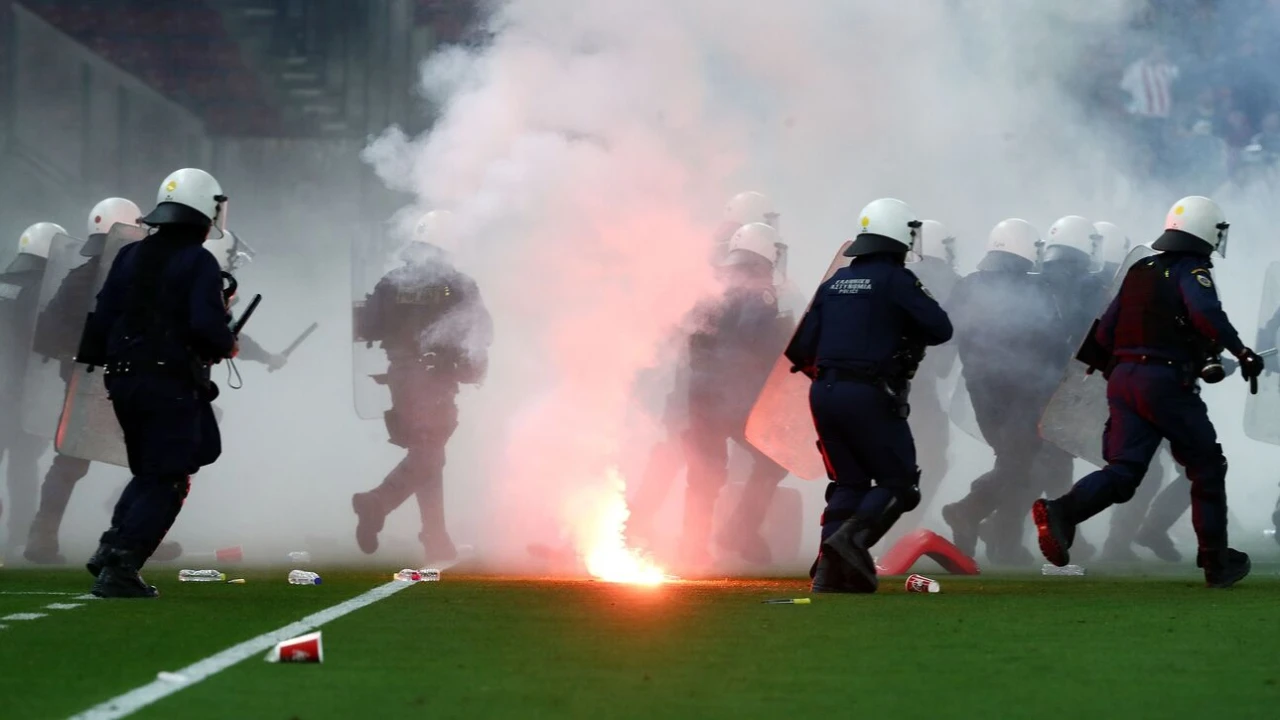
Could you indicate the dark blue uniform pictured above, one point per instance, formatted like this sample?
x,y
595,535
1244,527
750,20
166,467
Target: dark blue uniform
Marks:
x,y
435,330
1012,342
1159,329
19,291
162,320
730,357
57,338
862,336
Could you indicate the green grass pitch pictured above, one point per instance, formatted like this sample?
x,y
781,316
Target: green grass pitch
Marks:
x,y
476,647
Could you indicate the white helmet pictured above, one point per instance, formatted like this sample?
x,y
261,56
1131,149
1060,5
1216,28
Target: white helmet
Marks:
x,y
230,251
750,207
886,225
1202,219
1115,244
1072,234
188,195
436,228
755,238
34,243
114,210
937,241
1016,237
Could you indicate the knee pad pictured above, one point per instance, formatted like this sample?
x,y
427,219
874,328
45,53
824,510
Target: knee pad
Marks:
x,y
907,492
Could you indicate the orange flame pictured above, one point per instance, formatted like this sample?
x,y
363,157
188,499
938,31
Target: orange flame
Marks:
x,y
598,530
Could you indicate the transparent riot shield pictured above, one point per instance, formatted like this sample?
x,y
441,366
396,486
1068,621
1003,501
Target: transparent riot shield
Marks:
x,y
780,424
1074,417
371,259
88,428
1262,411
54,337
961,412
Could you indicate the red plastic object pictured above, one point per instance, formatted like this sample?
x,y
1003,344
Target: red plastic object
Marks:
x,y
908,550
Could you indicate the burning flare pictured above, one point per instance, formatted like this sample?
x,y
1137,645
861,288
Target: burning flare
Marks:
x,y
598,527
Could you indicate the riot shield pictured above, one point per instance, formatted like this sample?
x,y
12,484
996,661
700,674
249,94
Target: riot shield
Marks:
x,y
1074,417
962,414
1262,411
53,339
780,424
371,258
88,428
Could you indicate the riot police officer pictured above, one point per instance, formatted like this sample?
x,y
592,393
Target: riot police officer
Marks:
x,y
730,356
434,327
1152,342
1011,343
861,341
56,337
19,294
667,457
160,322
1073,249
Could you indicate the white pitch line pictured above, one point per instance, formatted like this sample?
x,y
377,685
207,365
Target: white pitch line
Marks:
x,y
86,596
140,697
25,592
23,616
62,606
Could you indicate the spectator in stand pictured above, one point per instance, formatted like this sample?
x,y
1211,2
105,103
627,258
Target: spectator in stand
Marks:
x,y
1204,109
1201,158
1149,80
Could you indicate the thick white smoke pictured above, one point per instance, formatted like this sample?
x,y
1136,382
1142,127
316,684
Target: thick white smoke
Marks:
x,y
587,151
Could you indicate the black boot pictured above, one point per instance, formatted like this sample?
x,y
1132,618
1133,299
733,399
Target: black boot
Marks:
x,y
42,543
1223,568
369,521
1055,532
119,577
832,575
850,544
100,556
964,527
1159,543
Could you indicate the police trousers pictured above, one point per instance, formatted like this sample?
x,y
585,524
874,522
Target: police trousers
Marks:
x,y
1150,403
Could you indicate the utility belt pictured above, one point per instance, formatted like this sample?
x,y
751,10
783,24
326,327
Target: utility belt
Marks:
x,y
1188,372
896,388
193,372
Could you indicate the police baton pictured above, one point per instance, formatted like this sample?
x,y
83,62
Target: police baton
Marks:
x,y
238,325
305,334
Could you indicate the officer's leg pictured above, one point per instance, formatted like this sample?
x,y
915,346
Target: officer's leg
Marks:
x,y
167,439
1129,441
435,539
882,445
849,486
55,494
1011,437
24,457
1168,506
1126,519
932,431
1194,443
1053,470
706,445
410,408
742,530
664,463
1003,531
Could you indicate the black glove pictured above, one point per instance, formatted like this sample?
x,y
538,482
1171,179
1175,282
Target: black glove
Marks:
x,y
1251,366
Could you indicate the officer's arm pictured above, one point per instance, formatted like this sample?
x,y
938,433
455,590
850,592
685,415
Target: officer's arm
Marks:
x,y
933,327
1205,310
207,322
802,351
479,335
1106,332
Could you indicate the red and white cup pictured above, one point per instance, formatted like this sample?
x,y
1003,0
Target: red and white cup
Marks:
x,y
922,584
302,649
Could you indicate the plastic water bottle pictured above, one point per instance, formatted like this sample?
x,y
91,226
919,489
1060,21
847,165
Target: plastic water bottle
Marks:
x,y
423,575
303,577
1050,569
201,576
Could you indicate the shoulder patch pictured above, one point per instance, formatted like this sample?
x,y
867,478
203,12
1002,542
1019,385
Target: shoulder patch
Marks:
x,y
1204,280
769,298
924,289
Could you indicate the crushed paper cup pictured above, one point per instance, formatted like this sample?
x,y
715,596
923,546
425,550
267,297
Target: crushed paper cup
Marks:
x,y
302,649
230,555
919,583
